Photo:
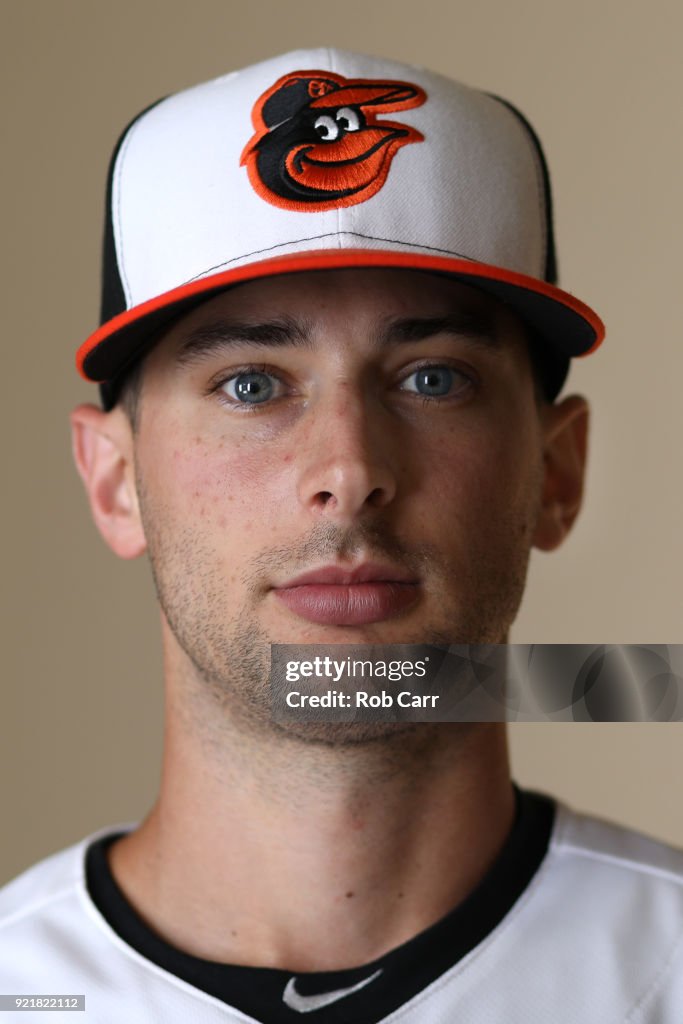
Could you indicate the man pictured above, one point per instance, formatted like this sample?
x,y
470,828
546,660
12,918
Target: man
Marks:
x,y
330,358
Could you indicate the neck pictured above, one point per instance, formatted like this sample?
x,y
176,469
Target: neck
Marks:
x,y
278,852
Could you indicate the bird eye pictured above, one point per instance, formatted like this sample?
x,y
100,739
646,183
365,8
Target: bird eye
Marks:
x,y
327,128
348,119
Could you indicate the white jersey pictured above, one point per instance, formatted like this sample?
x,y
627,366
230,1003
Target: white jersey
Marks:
x,y
593,935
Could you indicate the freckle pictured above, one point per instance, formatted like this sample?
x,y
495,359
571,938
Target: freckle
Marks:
x,y
349,895
233,932
400,895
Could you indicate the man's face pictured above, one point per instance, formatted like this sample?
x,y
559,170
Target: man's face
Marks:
x,y
338,420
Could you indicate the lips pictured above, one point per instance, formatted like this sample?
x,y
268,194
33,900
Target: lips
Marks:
x,y
340,597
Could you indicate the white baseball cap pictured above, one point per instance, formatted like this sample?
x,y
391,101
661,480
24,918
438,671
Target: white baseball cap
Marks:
x,y
321,159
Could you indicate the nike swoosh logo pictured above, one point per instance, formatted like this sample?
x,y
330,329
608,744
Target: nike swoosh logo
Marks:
x,y
305,1004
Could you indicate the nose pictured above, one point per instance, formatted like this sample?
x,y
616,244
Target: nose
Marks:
x,y
349,457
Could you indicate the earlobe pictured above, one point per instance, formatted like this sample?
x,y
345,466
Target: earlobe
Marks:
x,y
565,431
103,451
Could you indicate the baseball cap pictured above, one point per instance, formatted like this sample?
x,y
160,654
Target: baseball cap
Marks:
x,y
325,159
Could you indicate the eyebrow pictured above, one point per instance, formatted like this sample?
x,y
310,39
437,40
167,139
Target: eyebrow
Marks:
x,y
209,338
475,326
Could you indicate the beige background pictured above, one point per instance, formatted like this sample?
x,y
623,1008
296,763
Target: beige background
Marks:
x,y
601,81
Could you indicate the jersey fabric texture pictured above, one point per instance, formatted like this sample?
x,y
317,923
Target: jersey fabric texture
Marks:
x,y
577,922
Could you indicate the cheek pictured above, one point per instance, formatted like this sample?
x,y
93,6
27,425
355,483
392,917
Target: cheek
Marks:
x,y
216,483
484,476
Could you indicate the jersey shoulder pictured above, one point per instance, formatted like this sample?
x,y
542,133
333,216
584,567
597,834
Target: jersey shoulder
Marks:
x,y
43,883
50,925
54,878
621,896
597,936
625,850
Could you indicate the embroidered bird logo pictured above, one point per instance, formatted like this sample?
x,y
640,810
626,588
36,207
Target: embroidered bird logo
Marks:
x,y
319,143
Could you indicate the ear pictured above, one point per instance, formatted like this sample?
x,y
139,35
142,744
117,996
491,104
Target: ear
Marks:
x,y
565,431
104,453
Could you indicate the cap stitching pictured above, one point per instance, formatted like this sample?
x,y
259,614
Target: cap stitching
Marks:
x,y
333,68
330,234
538,174
540,199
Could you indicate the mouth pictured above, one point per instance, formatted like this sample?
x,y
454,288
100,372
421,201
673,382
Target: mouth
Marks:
x,y
351,150
352,163
339,597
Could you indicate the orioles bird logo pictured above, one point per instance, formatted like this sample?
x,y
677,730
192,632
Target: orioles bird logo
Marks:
x,y
318,144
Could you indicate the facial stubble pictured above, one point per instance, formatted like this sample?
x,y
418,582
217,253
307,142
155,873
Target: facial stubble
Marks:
x,y
226,652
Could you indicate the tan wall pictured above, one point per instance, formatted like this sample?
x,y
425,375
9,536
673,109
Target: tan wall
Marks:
x,y
601,81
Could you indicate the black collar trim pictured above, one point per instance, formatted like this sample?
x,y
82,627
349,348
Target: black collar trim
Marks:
x,y
403,972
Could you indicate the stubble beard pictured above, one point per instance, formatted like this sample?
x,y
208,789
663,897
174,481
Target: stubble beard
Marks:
x,y
227,654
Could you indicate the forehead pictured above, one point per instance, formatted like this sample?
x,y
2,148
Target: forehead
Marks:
x,y
366,300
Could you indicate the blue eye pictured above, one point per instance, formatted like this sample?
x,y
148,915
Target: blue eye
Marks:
x,y
433,381
250,387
